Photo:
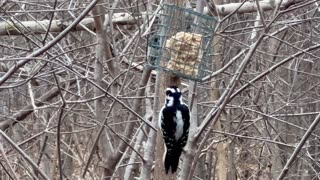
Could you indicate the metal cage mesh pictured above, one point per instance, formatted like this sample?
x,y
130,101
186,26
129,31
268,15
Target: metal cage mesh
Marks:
x,y
182,43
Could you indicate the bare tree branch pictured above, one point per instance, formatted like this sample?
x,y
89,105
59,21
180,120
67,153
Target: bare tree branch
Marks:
x,y
38,52
24,155
299,147
27,110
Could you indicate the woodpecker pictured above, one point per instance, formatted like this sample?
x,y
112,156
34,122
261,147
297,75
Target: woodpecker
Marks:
x,y
174,122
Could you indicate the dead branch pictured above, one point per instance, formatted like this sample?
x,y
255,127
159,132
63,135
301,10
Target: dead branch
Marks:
x,y
41,27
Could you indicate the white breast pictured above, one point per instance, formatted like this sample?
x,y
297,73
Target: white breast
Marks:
x,y
179,125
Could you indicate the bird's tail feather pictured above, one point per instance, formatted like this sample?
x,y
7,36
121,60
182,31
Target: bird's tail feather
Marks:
x,y
172,160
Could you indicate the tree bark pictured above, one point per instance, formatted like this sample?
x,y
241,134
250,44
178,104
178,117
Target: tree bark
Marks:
x,y
103,53
190,149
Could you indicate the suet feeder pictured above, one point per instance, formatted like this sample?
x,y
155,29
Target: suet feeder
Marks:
x,y
182,43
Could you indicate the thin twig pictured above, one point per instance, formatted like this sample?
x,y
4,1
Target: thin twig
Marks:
x,y
8,162
50,22
24,155
298,148
38,52
4,168
271,69
59,127
95,142
125,142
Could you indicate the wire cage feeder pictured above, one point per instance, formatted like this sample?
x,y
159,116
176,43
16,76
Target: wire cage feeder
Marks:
x,y
182,43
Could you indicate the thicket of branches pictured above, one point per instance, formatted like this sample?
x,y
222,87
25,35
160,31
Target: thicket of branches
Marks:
x,y
77,99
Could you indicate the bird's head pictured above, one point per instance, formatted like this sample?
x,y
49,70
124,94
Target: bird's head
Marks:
x,y
173,96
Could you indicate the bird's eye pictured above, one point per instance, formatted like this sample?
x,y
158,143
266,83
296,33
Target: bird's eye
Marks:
x,y
168,92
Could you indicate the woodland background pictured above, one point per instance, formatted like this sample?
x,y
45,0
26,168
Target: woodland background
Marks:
x,y
78,101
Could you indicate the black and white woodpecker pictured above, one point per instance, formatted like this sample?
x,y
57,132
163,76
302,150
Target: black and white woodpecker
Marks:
x,y
174,121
